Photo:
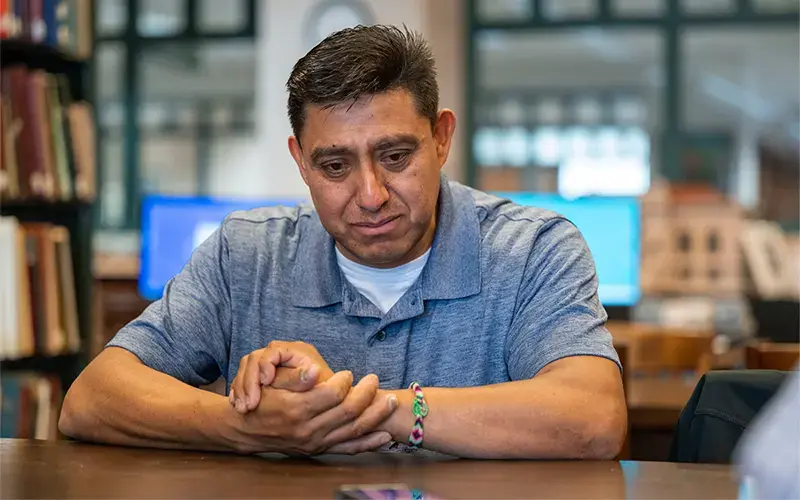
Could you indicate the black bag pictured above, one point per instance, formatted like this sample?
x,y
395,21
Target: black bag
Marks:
x,y
722,406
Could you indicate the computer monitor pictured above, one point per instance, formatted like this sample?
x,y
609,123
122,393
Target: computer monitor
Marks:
x,y
611,228
172,227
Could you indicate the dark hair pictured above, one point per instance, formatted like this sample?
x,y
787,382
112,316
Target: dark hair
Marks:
x,y
362,61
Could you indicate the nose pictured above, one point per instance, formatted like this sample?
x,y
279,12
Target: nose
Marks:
x,y
372,192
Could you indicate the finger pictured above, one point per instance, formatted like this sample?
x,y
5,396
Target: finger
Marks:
x,y
351,408
367,442
373,416
237,387
251,381
324,396
296,379
280,354
261,369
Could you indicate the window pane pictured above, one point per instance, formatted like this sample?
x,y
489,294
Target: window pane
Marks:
x,y
110,74
650,8
161,17
110,71
740,84
709,6
196,121
111,17
169,163
571,110
112,191
230,15
504,10
776,5
568,9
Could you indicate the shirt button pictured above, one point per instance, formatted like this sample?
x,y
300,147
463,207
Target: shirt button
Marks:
x,y
381,336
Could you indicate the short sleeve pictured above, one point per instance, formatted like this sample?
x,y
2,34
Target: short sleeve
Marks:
x,y
557,311
186,333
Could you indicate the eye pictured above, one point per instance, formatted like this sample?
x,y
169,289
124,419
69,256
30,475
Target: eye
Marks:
x,y
334,169
396,158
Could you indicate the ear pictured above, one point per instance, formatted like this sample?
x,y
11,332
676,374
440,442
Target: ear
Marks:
x,y
297,153
443,134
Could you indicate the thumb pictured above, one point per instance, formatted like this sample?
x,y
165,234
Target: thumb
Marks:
x,y
299,379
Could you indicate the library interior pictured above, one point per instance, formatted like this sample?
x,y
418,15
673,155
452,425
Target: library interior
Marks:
x,y
666,131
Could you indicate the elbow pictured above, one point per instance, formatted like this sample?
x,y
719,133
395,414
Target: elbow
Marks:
x,y
604,435
72,421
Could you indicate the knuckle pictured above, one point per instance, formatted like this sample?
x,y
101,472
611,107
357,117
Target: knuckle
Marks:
x,y
296,410
341,393
357,430
349,412
302,434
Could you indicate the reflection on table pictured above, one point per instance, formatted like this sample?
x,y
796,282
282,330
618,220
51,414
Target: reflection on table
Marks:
x,y
44,469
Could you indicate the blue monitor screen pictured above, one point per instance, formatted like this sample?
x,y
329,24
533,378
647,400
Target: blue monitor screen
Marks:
x,y
610,226
172,227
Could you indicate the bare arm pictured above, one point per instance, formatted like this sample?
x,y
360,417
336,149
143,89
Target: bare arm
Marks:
x,y
119,400
574,408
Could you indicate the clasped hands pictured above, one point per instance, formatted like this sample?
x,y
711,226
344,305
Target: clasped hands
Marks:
x,y
291,402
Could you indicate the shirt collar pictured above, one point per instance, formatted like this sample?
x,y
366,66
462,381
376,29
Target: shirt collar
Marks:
x,y
453,270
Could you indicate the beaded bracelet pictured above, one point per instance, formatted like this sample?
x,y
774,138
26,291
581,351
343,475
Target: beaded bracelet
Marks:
x,y
420,410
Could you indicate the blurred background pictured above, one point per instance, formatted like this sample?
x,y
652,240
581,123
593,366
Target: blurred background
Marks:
x,y
667,130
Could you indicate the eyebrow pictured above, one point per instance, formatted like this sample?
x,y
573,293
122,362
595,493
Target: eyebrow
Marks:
x,y
382,145
320,153
397,140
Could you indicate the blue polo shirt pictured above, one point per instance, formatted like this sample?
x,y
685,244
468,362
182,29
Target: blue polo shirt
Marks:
x,y
506,290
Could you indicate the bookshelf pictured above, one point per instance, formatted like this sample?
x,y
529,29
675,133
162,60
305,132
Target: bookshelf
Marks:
x,y
47,191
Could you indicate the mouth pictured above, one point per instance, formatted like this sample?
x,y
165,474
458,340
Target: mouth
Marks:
x,y
379,227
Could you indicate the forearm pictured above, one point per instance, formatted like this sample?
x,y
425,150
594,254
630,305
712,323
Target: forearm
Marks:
x,y
118,400
538,418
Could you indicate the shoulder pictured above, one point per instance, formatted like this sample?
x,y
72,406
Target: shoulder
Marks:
x,y
267,231
274,222
501,219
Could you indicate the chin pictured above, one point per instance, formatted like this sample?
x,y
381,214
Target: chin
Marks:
x,y
380,255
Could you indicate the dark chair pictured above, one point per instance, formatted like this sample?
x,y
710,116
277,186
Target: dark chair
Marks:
x,y
720,409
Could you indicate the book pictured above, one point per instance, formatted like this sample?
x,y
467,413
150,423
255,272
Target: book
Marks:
x,y
38,299
29,406
48,140
62,24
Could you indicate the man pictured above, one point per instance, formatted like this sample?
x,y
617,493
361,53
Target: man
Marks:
x,y
397,277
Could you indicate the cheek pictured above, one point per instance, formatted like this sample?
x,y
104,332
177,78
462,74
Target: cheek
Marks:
x,y
330,200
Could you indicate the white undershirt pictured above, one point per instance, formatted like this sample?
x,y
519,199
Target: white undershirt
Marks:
x,y
383,287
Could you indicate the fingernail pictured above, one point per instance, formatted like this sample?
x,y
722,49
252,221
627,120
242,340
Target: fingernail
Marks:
x,y
385,437
392,402
309,373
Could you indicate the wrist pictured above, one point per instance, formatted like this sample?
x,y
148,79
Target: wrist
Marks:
x,y
225,427
400,423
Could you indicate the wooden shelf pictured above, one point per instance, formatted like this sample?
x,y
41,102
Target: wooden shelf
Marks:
x,y
38,55
12,204
39,363
45,57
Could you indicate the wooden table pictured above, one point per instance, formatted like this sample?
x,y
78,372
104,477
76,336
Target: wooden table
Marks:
x,y
62,469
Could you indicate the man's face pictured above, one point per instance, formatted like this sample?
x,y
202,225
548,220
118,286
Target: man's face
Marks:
x,y
372,168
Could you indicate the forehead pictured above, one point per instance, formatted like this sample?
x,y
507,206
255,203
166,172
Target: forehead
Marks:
x,y
360,122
